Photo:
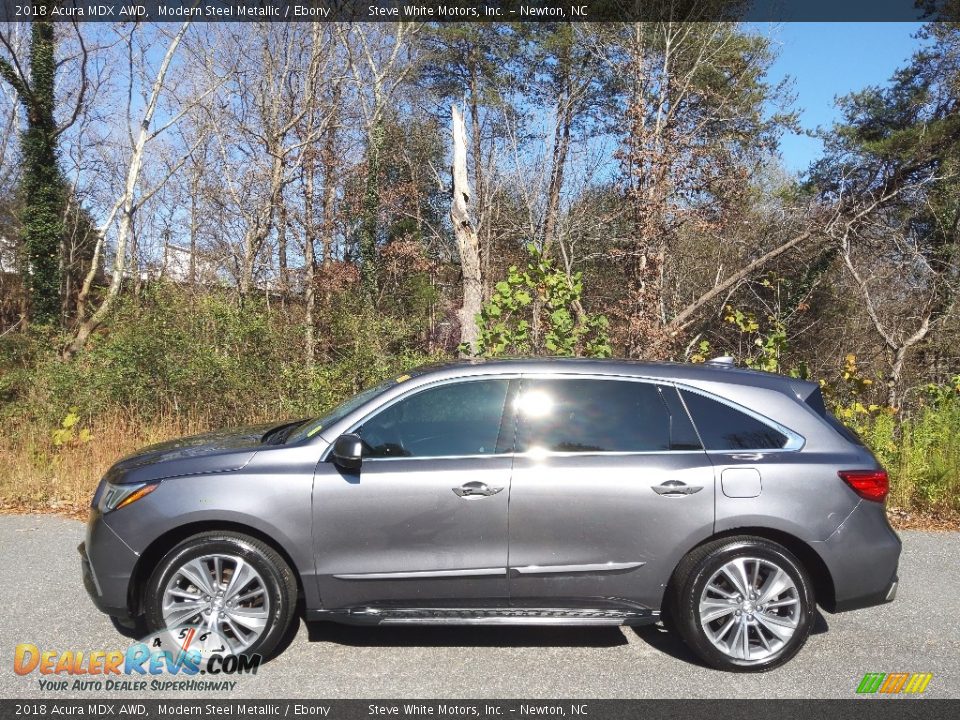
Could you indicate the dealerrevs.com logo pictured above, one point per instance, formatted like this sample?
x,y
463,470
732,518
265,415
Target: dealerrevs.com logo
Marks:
x,y
149,664
894,683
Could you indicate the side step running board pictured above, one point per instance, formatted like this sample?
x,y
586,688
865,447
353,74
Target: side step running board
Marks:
x,y
493,616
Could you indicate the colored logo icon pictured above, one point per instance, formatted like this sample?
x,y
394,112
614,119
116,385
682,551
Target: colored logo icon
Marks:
x,y
894,683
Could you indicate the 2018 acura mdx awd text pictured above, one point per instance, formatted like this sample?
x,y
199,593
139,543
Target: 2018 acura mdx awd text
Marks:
x,y
727,503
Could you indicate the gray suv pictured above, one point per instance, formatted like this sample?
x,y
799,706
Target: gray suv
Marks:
x,y
723,502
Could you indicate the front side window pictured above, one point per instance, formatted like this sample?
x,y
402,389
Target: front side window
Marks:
x,y
593,415
460,418
722,427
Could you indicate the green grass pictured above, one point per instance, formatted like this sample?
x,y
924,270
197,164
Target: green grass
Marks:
x,y
921,451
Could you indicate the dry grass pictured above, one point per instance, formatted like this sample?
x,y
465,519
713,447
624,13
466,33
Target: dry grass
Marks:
x,y
39,476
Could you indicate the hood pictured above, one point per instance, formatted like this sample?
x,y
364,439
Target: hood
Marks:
x,y
218,451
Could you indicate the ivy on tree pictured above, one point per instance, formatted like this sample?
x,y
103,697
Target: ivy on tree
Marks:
x,y
41,185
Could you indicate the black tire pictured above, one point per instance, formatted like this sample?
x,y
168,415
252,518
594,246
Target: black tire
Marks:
x,y
695,571
278,579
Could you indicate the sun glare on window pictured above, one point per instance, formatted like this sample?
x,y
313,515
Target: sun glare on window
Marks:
x,y
535,404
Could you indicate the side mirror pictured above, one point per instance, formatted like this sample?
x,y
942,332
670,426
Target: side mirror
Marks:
x,y
348,452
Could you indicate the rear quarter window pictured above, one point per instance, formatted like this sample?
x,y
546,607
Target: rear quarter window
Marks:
x,y
722,427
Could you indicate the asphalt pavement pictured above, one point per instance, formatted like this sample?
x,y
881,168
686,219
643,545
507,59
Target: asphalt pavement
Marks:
x,y
44,603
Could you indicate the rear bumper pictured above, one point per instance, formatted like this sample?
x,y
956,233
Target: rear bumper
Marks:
x,y
107,565
862,556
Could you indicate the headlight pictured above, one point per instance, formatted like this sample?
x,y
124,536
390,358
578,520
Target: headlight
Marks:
x,y
115,497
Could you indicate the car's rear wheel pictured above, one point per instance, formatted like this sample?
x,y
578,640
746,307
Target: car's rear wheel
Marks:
x,y
230,584
743,604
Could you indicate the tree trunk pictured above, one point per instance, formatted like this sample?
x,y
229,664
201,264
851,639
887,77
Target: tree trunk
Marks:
x,y
310,263
371,211
481,223
193,235
466,237
127,206
135,256
561,146
282,252
329,160
258,233
41,183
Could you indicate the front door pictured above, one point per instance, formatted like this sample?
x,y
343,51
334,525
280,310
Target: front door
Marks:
x,y
424,521
609,485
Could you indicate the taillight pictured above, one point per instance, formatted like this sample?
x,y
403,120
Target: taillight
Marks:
x,y
868,484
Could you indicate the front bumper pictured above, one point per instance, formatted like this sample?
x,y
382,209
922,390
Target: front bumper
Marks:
x,y
107,565
862,556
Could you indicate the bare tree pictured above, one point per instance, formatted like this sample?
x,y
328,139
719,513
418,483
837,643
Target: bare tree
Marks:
x,y
379,63
323,98
260,152
467,243
141,133
903,293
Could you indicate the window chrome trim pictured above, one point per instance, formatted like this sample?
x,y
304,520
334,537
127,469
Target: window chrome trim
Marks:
x,y
795,441
538,454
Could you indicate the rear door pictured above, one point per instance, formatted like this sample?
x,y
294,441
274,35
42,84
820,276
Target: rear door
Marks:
x,y
424,521
610,486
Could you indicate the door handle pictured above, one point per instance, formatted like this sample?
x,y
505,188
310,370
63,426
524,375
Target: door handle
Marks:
x,y
476,489
675,488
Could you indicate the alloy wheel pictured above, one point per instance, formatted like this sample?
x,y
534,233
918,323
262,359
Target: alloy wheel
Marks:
x,y
750,609
220,593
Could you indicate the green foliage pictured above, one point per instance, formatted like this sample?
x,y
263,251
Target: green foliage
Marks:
x,y
41,184
766,345
850,394
921,451
901,142
769,344
537,311
702,353
363,348
475,58
201,357
70,431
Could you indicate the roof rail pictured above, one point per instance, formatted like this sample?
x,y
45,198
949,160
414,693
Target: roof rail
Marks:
x,y
722,360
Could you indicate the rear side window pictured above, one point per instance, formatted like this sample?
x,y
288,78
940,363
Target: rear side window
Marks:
x,y
591,415
722,427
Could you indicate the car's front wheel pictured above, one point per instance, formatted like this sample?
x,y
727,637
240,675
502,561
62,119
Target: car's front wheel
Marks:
x,y
743,604
226,583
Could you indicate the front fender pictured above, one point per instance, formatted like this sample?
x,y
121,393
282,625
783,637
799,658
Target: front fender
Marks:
x,y
277,508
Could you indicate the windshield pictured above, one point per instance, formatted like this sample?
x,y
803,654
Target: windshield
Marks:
x,y
312,427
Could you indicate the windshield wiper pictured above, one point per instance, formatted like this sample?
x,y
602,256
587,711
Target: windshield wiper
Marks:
x,y
278,434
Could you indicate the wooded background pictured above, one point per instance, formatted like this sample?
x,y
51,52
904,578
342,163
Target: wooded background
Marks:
x,y
208,224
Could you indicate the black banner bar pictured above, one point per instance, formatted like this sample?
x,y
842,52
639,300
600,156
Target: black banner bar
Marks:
x,y
857,709
475,10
